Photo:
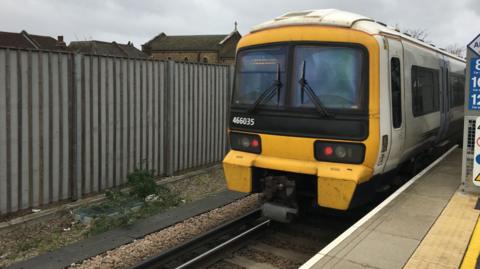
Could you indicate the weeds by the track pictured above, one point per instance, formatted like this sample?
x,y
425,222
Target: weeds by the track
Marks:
x,y
140,201
145,198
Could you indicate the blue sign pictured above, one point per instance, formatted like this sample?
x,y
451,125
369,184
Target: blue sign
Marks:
x,y
474,85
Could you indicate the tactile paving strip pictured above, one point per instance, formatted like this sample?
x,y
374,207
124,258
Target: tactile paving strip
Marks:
x,y
445,244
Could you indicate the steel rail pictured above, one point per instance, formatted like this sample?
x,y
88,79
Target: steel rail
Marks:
x,y
222,245
170,255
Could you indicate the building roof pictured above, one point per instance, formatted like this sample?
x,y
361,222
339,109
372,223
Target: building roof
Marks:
x,y
25,40
184,42
107,48
162,42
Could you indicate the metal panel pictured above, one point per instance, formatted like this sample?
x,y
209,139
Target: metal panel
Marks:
x,y
131,114
468,153
199,105
34,150
95,116
4,197
34,120
13,144
117,128
110,117
79,135
45,98
209,94
64,95
162,98
24,134
150,121
73,124
203,113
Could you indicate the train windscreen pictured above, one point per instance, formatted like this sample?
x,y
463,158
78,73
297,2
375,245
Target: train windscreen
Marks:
x,y
257,71
335,74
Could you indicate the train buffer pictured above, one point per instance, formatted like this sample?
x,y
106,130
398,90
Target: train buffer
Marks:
x,y
428,223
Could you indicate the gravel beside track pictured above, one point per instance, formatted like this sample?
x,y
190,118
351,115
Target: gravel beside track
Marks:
x,y
286,246
132,253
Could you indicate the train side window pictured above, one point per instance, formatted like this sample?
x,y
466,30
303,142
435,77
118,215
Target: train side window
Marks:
x,y
396,86
457,91
425,91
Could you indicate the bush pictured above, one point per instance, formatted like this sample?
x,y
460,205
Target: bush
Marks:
x,y
123,209
142,183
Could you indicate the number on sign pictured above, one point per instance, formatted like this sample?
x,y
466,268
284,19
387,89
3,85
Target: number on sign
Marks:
x,y
477,65
476,82
475,99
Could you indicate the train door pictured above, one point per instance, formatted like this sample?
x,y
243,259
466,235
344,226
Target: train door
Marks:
x,y
446,113
397,101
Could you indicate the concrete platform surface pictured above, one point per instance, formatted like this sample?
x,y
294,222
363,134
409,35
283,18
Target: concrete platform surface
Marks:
x,y
428,225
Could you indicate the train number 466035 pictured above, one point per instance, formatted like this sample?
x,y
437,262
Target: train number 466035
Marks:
x,y
244,121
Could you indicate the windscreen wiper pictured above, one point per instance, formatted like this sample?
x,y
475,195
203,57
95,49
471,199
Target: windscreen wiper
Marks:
x,y
305,88
269,92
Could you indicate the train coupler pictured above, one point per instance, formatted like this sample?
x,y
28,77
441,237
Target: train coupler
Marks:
x,y
279,212
279,195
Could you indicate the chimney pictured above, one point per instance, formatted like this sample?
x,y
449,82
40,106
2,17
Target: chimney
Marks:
x,y
60,43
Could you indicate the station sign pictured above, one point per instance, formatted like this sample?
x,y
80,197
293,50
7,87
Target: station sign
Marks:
x,y
475,45
474,85
476,151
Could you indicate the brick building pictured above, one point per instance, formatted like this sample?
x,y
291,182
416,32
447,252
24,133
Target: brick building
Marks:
x,y
24,40
218,49
107,48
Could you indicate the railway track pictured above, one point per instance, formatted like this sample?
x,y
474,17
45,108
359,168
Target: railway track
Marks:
x,y
251,241
200,250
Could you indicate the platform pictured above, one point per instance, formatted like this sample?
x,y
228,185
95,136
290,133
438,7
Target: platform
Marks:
x,y
428,223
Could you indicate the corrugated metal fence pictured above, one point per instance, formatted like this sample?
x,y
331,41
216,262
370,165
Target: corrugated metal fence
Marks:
x,y
73,124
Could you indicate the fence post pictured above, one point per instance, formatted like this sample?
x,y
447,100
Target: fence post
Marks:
x,y
72,119
231,73
169,114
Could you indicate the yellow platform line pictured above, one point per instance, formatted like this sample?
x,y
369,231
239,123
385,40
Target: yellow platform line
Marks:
x,y
445,243
473,250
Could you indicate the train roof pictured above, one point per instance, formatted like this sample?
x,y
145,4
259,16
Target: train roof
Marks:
x,y
339,18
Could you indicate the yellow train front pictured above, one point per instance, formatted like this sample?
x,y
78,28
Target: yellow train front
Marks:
x,y
305,112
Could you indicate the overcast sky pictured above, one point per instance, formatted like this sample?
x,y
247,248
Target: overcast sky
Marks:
x,y
446,21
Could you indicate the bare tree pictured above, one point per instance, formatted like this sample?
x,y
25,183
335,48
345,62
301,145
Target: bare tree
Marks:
x,y
456,49
421,34
418,33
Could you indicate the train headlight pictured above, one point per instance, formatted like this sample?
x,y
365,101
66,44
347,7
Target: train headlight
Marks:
x,y
339,152
245,142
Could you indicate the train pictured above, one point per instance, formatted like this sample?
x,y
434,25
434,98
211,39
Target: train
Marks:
x,y
327,105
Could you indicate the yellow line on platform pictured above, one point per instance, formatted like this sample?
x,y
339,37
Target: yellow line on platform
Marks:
x,y
473,251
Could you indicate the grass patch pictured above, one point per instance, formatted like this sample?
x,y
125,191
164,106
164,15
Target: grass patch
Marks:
x,y
144,199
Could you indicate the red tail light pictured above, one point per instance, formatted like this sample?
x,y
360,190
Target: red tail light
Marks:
x,y
245,142
327,151
339,152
